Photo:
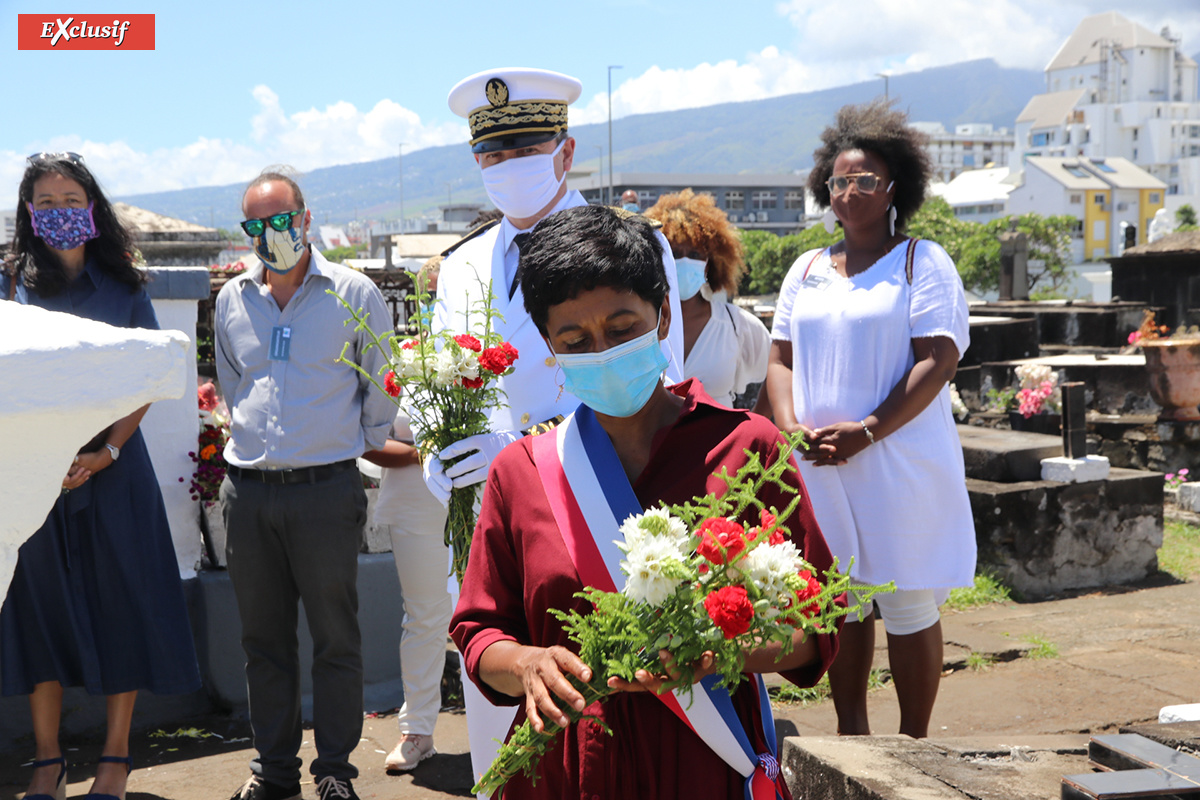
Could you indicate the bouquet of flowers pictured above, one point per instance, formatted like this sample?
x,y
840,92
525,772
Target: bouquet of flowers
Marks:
x,y
209,456
451,383
1038,392
1150,331
697,580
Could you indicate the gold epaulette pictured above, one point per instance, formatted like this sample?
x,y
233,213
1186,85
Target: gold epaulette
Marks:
x,y
470,235
544,427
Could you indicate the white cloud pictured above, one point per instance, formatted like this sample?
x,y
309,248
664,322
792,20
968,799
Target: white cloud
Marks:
x,y
339,134
833,47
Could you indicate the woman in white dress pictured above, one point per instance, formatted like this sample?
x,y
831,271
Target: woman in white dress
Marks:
x,y
867,335
724,346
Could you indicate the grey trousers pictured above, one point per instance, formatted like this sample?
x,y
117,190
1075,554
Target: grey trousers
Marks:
x,y
287,543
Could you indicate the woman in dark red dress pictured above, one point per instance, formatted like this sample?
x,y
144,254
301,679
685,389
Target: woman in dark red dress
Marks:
x,y
594,285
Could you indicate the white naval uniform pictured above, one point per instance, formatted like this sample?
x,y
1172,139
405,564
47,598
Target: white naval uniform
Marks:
x,y
533,388
533,391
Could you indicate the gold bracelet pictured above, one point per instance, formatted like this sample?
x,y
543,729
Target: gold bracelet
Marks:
x,y
867,431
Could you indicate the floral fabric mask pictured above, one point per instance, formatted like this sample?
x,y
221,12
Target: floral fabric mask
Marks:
x,y
63,228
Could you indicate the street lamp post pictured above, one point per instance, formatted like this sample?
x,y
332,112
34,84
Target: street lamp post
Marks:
x,y
884,75
449,194
611,67
600,158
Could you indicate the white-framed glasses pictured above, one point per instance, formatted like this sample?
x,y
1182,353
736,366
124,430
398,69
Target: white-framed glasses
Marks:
x,y
867,183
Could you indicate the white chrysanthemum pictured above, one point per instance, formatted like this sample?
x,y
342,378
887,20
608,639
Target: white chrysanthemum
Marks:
x,y
645,567
468,364
1032,375
653,523
408,364
445,368
769,566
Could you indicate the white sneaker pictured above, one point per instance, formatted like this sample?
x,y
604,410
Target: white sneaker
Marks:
x,y
412,749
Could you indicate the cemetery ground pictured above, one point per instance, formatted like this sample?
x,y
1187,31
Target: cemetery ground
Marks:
x,y
1086,662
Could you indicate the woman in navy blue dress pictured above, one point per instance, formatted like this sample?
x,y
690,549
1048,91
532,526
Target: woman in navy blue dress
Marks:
x,y
96,600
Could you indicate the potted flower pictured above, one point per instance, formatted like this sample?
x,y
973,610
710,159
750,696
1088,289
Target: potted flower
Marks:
x,y
209,457
1173,364
1035,404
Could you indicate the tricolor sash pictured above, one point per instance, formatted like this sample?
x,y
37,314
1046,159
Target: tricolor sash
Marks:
x,y
590,497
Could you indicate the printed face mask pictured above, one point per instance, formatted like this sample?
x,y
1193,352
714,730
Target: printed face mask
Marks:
x,y
279,251
63,228
690,274
618,381
521,187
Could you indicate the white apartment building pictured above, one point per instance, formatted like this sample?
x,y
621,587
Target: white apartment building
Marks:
x,y
973,145
978,195
8,226
1116,89
1101,194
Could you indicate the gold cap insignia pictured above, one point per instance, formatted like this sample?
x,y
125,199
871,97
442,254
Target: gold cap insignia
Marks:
x,y
497,92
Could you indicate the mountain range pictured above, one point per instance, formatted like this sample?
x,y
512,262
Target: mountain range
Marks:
x,y
773,135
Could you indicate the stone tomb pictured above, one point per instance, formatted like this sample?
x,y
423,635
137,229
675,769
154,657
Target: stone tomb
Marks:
x,y
1012,767
1043,537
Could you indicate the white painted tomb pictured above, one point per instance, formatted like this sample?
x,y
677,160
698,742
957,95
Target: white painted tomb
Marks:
x,y
62,380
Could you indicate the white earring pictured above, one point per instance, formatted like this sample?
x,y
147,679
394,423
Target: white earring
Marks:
x,y
892,220
830,220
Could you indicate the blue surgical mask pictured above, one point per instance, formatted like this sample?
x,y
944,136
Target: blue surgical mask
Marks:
x,y
634,207
691,276
619,381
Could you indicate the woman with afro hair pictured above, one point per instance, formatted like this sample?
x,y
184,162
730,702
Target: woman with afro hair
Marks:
x,y
724,346
867,335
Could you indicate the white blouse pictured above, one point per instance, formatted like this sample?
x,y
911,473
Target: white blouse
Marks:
x,y
899,508
730,353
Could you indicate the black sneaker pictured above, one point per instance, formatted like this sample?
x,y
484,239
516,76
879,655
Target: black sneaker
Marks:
x,y
331,788
258,789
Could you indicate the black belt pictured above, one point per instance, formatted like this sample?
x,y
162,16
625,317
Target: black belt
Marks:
x,y
298,475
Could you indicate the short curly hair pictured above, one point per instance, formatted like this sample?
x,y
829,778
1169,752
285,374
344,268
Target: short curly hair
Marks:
x,y
692,222
880,129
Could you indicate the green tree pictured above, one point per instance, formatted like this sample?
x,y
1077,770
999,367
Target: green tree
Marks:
x,y
769,257
1185,218
340,254
975,247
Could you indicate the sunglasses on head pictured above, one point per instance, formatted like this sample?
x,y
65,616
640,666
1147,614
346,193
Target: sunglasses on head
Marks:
x,y
867,182
279,222
46,158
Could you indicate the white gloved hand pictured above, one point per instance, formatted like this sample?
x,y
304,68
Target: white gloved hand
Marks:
x,y
434,473
479,451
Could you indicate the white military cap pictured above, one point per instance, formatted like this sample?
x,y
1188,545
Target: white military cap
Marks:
x,y
514,106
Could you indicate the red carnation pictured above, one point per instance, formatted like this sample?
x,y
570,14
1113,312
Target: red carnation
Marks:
x,y
730,609
389,384
811,589
494,360
468,342
721,540
473,383
509,351
409,344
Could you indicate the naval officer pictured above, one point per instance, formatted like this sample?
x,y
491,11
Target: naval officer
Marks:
x,y
518,122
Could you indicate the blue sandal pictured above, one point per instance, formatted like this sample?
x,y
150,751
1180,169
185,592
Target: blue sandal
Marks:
x,y
60,788
126,760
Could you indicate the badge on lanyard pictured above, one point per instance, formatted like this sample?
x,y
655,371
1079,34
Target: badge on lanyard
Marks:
x,y
818,281
281,342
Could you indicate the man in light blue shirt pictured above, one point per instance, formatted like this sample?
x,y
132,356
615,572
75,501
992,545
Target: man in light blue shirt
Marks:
x,y
293,500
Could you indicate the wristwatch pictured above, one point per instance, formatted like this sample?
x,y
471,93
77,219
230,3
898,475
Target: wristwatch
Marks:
x,y
113,451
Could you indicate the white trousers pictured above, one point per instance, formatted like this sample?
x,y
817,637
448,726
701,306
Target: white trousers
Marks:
x,y
421,560
487,725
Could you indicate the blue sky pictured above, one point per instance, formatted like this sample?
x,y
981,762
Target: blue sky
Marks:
x,y
233,86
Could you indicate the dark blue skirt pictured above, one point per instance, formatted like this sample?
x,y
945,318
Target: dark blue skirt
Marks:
x,y
96,600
